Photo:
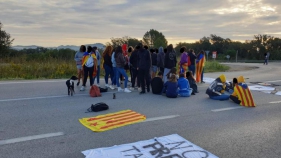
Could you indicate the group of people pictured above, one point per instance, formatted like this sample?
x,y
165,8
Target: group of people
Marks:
x,y
143,65
237,90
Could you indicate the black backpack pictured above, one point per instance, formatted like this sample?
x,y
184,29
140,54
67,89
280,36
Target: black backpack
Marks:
x,y
98,107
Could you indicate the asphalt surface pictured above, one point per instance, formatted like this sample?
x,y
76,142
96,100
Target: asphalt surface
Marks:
x,y
29,108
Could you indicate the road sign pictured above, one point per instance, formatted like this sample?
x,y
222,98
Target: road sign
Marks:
x,y
227,56
214,54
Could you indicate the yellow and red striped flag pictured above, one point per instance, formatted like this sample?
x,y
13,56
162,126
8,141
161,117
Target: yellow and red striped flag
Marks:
x,y
113,120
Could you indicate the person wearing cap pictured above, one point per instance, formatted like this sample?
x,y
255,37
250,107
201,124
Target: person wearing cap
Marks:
x,y
242,94
217,88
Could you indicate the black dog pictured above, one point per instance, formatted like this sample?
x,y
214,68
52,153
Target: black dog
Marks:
x,y
70,85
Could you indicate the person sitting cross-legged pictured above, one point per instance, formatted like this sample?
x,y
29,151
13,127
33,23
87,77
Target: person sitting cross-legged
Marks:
x,y
171,87
157,83
184,88
242,94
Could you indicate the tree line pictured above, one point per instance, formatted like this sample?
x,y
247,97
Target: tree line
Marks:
x,y
251,49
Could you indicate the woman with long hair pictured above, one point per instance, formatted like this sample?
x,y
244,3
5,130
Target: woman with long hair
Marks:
x,y
120,63
78,58
107,65
171,87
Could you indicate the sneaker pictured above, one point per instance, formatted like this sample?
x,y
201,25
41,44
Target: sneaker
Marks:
x,y
139,89
120,89
106,85
127,90
112,87
132,88
98,85
82,88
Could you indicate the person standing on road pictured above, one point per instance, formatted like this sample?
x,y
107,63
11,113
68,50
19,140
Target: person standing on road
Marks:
x,y
170,61
144,64
192,58
200,64
154,63
160,59
134,65
78,58
265,59
114,79
183,64
107,65
88,62
97,53
120,64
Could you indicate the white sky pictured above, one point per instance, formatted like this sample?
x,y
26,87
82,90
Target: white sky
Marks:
x,y
76,22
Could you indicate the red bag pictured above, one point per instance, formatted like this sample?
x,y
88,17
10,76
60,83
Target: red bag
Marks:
x,y
95,91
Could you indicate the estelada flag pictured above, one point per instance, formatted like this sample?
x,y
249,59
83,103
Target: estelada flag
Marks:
x,y
113,120
199,67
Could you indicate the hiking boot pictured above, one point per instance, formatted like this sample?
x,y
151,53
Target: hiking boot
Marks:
x,y
127,90
82,88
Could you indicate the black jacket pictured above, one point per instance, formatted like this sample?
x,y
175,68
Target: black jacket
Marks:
x,y
134,59
107,60
192,58
144,59
154,59
170,60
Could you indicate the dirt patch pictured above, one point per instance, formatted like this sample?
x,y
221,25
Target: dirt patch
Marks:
x,y
240,67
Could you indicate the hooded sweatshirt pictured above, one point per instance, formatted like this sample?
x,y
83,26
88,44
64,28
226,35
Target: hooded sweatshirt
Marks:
x,y
160,57
170,60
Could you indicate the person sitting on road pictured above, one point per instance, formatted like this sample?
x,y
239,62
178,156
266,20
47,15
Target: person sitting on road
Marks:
x,y
184,88
217,88
242,94
192,82
171,87
173,71
157,83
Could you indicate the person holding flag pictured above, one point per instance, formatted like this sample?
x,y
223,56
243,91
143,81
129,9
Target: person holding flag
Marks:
x,y
200,63
242,94
184,61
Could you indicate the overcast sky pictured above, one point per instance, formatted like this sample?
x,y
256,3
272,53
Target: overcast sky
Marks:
x,y
76,22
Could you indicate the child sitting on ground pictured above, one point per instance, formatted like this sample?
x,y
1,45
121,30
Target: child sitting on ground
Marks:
x,y
173,71
184,88
157,83
192,82
171,87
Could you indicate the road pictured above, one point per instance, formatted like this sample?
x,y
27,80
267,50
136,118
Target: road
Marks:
x,y
38,119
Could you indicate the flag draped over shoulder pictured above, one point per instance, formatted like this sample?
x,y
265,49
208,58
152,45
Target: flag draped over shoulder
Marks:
x,y
244,95
112,120
85,58
200,63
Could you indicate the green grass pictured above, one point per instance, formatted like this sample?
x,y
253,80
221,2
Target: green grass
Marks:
x,y
214,66
56,69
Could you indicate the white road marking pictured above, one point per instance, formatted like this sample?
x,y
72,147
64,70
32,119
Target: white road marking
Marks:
x,y
160,118
31,82
225,109
274,81
28,138
46,97
275,102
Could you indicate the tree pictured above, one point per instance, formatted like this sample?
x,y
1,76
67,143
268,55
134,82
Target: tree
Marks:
x,y
124,40
5,41
154,38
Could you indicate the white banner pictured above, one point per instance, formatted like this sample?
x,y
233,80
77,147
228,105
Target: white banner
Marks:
x,y
172,146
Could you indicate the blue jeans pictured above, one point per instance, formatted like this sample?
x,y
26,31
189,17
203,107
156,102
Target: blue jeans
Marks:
x,y
108,71
121,71
98,76
220,97
192,68
114,76
202,75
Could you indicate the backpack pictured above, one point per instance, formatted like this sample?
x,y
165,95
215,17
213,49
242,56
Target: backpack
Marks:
x,y
90,61
98,107
103,89
95,91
